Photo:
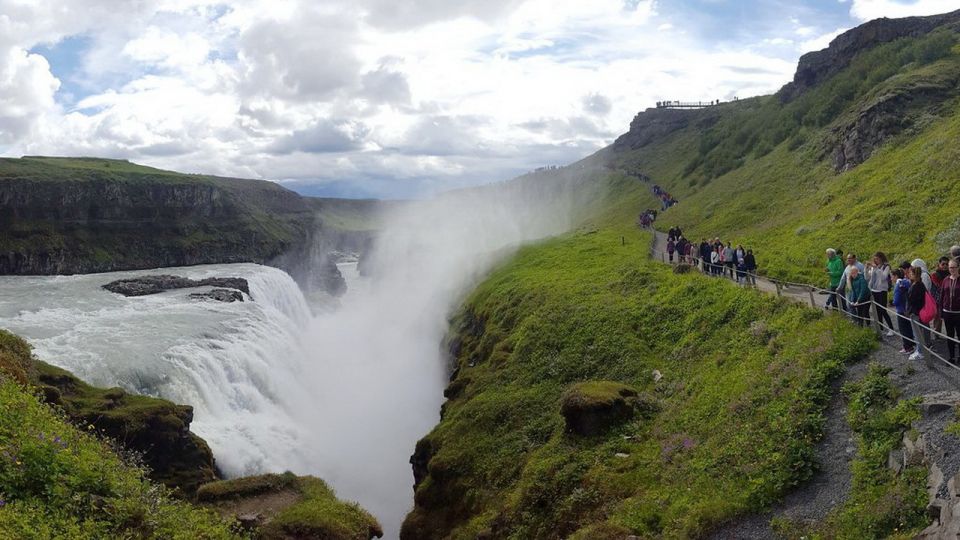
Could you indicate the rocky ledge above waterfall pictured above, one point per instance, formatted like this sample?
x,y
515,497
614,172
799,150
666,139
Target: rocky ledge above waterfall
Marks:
x,y
145,285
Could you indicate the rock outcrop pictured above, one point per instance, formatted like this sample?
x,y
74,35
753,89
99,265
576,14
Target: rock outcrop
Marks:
x,y
892,112
655,124
591,408
155,428
146,285
287,507
815,67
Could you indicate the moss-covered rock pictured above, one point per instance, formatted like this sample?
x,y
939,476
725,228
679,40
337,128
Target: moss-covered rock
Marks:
x,y
155,428
591,408
286,506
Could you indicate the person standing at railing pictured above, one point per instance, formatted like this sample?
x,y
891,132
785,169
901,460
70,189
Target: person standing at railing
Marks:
x,y
900,291
852,263
750,265
937,277
880,281
916,298
705,252
950,306
835,272
729,260
858,294
715,265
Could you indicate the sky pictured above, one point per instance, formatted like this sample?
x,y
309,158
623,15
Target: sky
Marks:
x,y
384,98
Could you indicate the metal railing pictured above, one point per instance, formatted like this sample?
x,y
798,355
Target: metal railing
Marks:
x,y
801,292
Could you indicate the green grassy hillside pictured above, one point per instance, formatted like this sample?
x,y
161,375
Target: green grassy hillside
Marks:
x,y
786,178
729,427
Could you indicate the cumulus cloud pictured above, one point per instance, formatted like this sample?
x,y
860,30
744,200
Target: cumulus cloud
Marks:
x,y
424,94
26,91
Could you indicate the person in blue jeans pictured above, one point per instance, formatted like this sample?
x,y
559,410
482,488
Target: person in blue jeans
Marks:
x,y
900,289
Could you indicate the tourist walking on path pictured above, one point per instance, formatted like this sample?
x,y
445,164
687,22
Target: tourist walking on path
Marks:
x,y
750,265
900,291
835,272
671,247
916,297
880,281
950,306
858,294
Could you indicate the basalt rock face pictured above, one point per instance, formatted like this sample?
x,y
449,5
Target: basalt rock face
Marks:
x,y
54,226
157,429
654,124
816,67
69,216
891,113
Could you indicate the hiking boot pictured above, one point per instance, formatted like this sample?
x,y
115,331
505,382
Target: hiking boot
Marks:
x,y
915,356
890,333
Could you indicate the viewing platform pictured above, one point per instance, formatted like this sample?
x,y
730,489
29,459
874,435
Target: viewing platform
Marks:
x,y
688,104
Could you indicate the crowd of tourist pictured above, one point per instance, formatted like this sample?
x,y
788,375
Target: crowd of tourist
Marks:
x,y
666,200
646,218
921,299
716,258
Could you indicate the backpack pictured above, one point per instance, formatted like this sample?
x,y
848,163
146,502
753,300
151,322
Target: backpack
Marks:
x,y
929,310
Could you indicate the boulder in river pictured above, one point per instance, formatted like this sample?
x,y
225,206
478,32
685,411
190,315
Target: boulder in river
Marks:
x,y
145,285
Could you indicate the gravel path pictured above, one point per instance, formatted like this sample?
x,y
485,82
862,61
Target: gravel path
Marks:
x,y
811,502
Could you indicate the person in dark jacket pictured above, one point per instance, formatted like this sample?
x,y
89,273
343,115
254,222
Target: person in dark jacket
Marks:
x,y
950,306
705,251
916,297
858,295
750,265
671,247
900,290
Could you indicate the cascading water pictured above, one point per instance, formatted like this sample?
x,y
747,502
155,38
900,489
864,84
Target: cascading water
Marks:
x,y
230,361
343,394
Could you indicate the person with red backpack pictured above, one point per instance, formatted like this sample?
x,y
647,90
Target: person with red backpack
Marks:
x,y
916,301
950,306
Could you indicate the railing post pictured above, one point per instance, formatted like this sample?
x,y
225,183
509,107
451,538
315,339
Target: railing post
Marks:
x,y
777,283
813,302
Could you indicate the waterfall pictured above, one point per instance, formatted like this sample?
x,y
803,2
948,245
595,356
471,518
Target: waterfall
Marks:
x,y
238,364
344,394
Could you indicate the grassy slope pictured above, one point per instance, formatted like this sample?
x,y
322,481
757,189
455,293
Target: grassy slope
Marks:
x,y
741,396
782,197
57,481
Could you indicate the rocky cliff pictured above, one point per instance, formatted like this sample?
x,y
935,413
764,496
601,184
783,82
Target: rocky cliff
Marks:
x,y
65,216
816,67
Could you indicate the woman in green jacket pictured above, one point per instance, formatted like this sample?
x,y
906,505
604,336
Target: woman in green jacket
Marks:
x,y
835,271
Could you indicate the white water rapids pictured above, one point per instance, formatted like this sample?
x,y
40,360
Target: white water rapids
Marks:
x,y
344,394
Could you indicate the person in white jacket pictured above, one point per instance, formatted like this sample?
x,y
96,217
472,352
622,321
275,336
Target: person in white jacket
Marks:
x,y
879,281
